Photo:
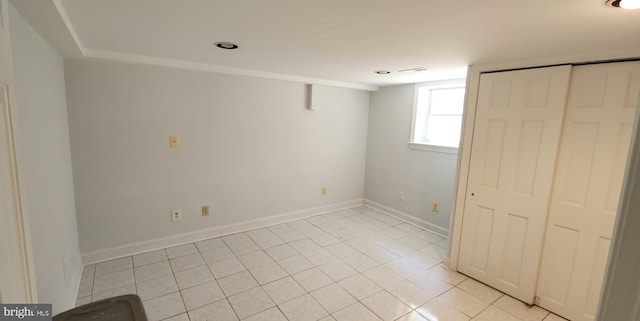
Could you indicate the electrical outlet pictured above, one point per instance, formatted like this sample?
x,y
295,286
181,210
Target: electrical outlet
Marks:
x,y
323,191
176,215
174,141
401,196
435,207
205,210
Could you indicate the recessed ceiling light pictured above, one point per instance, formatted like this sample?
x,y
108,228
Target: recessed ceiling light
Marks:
x,y
382,72
624,4
413,70
226,45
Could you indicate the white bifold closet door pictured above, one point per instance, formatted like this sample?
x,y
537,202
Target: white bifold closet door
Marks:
x,y
517,131
591,163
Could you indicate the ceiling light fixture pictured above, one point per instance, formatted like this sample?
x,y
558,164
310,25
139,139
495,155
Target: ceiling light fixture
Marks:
x,y
226,45
383,72
413,70
624,4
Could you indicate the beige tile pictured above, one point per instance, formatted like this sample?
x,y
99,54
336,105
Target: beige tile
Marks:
x,y
210,244
201,295
255,259
85,288
128,289
359,286
312,279
217,254
333,298
338,270
217,311
520,310
319,256
412,316
281,252
164,307
409,293
431,284
83,301
179,317
304,245
268,273
355,312
156,287
553,317
435,311
149,257
113,281
404,267
341,250
450,276
272,314
295,264
235,238
193,277
152,271
284,290
385,306
237,283
226,267
243,247
463,301
360,262
494,314
125,263
182,250
480,291
88,272
383,276
250,302
186,262
303,308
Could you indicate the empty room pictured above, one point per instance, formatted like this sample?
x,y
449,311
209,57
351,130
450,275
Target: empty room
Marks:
x,y
301,160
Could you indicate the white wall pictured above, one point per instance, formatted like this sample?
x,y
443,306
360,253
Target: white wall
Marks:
x,y
42,134
249,149
423,176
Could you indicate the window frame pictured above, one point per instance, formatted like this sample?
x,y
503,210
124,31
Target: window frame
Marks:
x,y
413,144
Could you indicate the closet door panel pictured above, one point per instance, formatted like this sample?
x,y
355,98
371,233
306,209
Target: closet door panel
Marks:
x,y
586,186
516,136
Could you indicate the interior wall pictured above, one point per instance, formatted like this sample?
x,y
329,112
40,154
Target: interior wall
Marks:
x,y
249,149
42,133
393,168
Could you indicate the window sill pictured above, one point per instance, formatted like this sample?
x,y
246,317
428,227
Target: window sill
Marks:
x,y
434,148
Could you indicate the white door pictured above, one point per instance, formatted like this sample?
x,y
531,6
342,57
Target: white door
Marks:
x,y
591,163
515,143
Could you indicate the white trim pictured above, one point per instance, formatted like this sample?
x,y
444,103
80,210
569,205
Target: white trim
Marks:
x,y
67,23
189,237
433,148
441,231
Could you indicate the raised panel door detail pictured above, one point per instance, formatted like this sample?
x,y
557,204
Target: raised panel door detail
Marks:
x,y
517,131
588,179
528,155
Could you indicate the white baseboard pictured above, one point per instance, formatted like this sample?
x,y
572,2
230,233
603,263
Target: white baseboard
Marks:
x,y
76,278
174,240
408,218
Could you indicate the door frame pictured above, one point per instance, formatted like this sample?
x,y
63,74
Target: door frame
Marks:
x,y
18,273
464,159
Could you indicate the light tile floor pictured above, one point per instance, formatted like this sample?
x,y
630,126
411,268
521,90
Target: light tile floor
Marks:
x,y
347,265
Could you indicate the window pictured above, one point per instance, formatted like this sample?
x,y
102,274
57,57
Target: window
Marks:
x,y
437,117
